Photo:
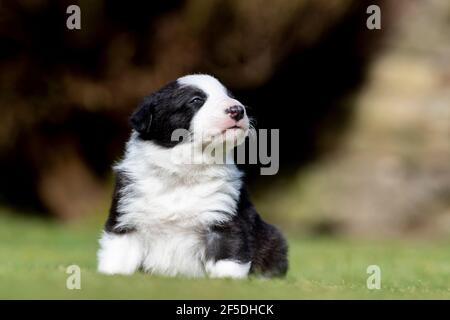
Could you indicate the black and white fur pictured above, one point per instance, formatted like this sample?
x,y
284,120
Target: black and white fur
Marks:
x,y
176,219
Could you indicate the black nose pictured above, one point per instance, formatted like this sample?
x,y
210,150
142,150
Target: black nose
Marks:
x,y
235,112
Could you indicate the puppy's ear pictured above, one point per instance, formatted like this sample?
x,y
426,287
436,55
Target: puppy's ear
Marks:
x,y
141,119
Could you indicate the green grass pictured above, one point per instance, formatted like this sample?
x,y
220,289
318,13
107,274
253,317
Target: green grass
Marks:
x,y
34,255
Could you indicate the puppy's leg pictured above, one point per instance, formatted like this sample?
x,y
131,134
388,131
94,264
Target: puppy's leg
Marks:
x,y
119,253
227,253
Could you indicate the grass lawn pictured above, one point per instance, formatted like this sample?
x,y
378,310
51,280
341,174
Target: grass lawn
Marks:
x,y
34,255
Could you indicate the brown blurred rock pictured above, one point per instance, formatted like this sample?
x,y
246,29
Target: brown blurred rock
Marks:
x,y
391,176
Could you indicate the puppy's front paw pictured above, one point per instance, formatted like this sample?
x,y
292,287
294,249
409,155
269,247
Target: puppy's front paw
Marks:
x,y
118,254
227,269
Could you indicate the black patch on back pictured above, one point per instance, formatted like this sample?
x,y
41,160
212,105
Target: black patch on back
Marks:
x,y
170,108
111,222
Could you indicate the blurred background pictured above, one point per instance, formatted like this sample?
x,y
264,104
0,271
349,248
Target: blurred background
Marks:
x,y
364,115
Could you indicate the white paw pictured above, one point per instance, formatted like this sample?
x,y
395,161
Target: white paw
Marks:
x,y
119,254
227,269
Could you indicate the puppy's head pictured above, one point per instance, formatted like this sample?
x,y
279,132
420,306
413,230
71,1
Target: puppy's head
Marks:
x,y
199,104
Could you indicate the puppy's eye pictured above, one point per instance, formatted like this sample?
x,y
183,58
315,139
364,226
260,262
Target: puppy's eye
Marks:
x,y
196,100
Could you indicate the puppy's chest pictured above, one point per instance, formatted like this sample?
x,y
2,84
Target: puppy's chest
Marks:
x,y
168,205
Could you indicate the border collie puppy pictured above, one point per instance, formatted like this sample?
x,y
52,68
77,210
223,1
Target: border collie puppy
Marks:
x,y
172,218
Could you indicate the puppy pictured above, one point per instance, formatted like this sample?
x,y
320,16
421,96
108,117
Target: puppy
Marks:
x,y
173,217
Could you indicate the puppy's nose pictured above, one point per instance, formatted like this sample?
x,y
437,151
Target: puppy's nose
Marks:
x,y
235,112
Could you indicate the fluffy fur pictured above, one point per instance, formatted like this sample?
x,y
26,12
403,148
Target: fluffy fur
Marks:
x,y
173,218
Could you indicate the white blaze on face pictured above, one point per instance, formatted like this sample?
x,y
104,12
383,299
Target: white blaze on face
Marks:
x,y
212,120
